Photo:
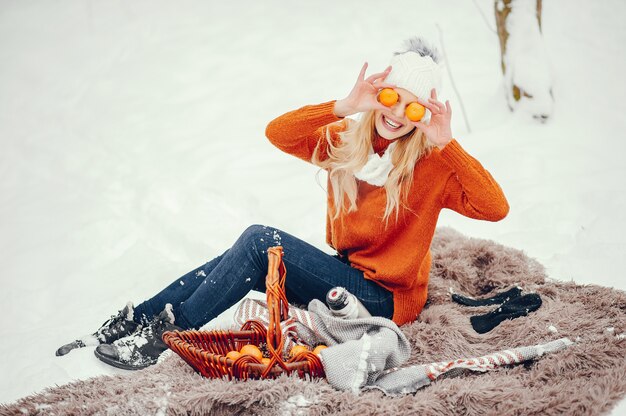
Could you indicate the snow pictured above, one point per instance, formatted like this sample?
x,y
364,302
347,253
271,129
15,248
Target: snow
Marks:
x,y
133,147
131,312
295,405
163,401
169,310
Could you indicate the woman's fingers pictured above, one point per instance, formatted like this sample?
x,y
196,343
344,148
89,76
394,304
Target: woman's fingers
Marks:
x,y
448,107
433,109
374,77
362,73
382,75
381,84
438,104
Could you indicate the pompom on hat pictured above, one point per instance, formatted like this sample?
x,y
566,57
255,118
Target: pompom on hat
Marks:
x,y
417,69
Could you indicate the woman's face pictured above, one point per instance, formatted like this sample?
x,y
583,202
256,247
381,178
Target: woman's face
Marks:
x,y
392,123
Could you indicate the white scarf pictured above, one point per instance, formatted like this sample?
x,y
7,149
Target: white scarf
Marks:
x,y
377,168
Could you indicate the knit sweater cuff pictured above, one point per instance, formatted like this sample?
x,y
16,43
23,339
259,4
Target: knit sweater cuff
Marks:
x,y
456,156
321,114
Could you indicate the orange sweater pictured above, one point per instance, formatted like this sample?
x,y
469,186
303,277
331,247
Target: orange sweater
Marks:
x,y
397,257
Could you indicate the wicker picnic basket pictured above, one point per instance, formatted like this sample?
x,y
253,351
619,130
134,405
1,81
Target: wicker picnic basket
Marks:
x,y
206,351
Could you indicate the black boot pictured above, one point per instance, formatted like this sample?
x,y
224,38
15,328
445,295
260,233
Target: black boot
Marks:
x,y
141,349
494,300
116,327
514,308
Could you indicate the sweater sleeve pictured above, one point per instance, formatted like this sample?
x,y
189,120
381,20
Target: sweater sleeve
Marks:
x,y
298,132
470,190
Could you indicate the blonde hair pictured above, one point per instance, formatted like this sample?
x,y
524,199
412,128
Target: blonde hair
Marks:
x,y
350,154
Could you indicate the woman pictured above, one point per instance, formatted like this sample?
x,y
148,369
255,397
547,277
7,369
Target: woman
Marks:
x,y
388,179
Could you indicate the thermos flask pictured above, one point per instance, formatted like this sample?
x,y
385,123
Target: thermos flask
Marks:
x,y
344,304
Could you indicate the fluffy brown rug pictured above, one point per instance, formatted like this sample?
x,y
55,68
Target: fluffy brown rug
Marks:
x,y
586,379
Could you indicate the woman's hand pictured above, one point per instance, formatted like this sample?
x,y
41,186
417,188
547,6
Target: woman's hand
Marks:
x,y
438,130
364,94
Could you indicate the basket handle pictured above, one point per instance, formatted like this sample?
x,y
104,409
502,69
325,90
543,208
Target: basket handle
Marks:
x,y
277,305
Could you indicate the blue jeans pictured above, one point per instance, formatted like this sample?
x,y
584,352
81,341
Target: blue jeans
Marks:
x,y
202,294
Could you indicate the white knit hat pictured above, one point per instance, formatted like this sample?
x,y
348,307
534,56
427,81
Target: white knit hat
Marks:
x,y
417,69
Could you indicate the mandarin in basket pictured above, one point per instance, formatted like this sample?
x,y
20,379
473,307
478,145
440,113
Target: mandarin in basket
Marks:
x,y
265,361
233,355
388,97
415,111
318,349
297,349
252,350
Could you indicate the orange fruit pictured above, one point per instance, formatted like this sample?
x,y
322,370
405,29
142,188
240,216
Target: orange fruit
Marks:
x,y
318,349
415,111
297,350
251,350
265,361
388,97
233,355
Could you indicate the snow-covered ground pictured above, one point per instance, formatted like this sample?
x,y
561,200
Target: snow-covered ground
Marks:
x,y
133,148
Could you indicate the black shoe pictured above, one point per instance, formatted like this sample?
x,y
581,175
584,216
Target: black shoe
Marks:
x,y
514,308
498,299
118,326
141,349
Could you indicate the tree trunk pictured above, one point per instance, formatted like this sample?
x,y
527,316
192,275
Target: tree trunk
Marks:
x,y
522,55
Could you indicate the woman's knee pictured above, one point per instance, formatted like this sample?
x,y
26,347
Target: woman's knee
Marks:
x,y
259,237
253,230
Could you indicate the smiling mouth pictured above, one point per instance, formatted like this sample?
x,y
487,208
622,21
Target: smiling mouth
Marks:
x,y
391,125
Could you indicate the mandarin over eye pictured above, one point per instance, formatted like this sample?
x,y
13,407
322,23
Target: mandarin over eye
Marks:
x,y
415,111
388,97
